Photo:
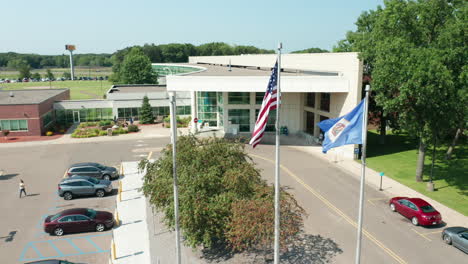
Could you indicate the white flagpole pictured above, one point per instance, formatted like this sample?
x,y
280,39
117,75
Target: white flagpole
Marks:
x,y
277,168
174,172
363,176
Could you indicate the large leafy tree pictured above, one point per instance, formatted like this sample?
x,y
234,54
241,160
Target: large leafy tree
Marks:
x,y
222,198
135,69
416,54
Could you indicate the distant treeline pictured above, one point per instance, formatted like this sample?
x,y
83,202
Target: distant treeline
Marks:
x,y
173,52
12,60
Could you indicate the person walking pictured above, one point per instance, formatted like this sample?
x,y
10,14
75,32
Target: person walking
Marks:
x,y
22,188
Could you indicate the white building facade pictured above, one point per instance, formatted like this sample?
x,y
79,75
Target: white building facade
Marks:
x,y
228,94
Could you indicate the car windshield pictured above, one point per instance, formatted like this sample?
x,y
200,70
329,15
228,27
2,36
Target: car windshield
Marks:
x,y
102,167
95,181
53,218
427,209
91,213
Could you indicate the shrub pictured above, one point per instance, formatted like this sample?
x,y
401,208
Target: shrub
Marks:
x,y
133,128
103,133
119,131
49,133
105,123
85,133
5,132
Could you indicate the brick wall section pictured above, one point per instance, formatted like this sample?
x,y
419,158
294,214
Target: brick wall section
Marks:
x,y
32,113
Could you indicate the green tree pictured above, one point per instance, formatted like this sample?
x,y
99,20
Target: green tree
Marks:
x,y
50,75
146,113
311,50
416,54
136,69
36,76
219,187
24,71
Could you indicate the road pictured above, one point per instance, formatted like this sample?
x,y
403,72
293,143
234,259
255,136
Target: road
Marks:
x,y
329,195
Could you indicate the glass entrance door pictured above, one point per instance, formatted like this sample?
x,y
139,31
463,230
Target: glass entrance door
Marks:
x,y
76,117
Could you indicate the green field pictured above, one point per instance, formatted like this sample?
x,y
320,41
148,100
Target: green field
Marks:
x,y
397,159
78,89
58,72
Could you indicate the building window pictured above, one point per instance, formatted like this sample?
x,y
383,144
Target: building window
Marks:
x,y
161,111
47,119
240,117
325,102
14,125
310,122
65,116
238,98
259,98
310,100
207,103
183,110
270,126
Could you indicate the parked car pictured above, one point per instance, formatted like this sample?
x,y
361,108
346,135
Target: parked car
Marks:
x,y
83,186
78,220
51,261
456,236
419,211
93,169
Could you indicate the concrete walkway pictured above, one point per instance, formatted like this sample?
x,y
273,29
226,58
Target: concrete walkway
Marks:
x,y
131,237
391,188
146,131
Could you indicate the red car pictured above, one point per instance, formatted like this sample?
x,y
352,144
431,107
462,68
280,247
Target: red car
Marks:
x,y
419,211
78,220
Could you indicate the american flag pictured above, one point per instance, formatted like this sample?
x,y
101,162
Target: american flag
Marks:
x,y
269,103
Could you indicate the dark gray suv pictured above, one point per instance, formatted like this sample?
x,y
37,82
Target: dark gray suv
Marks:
x,y
83,186
93,169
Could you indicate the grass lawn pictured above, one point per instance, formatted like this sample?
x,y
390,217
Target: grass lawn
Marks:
x,y
397,159
78,89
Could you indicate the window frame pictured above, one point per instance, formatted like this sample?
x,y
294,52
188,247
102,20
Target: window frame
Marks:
x,y
17,123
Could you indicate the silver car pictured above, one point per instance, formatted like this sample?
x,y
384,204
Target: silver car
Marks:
x,y
83,186
456,236
93,169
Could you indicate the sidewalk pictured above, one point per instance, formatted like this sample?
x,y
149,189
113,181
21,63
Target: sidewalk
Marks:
x,y
391,188
146,131
131,237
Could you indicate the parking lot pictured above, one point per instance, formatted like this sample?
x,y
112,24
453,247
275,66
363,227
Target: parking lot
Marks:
x,y
22,237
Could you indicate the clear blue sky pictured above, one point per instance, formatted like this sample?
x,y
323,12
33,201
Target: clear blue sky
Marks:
x,y
104,26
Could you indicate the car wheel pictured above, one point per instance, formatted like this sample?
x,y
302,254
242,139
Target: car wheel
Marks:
x,y
67,196
100,193
58,231
415,221
100,227
392,207
106,177
447,239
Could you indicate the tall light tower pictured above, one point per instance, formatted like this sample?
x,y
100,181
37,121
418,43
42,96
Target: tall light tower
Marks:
x,y
71,48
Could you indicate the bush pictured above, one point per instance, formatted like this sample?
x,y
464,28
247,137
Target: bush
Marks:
x,y
105,123
119,131
133,128
181,122
85,133
49,133
103,133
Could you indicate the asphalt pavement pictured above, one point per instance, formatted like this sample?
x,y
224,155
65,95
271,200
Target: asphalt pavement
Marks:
x,y
42,166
